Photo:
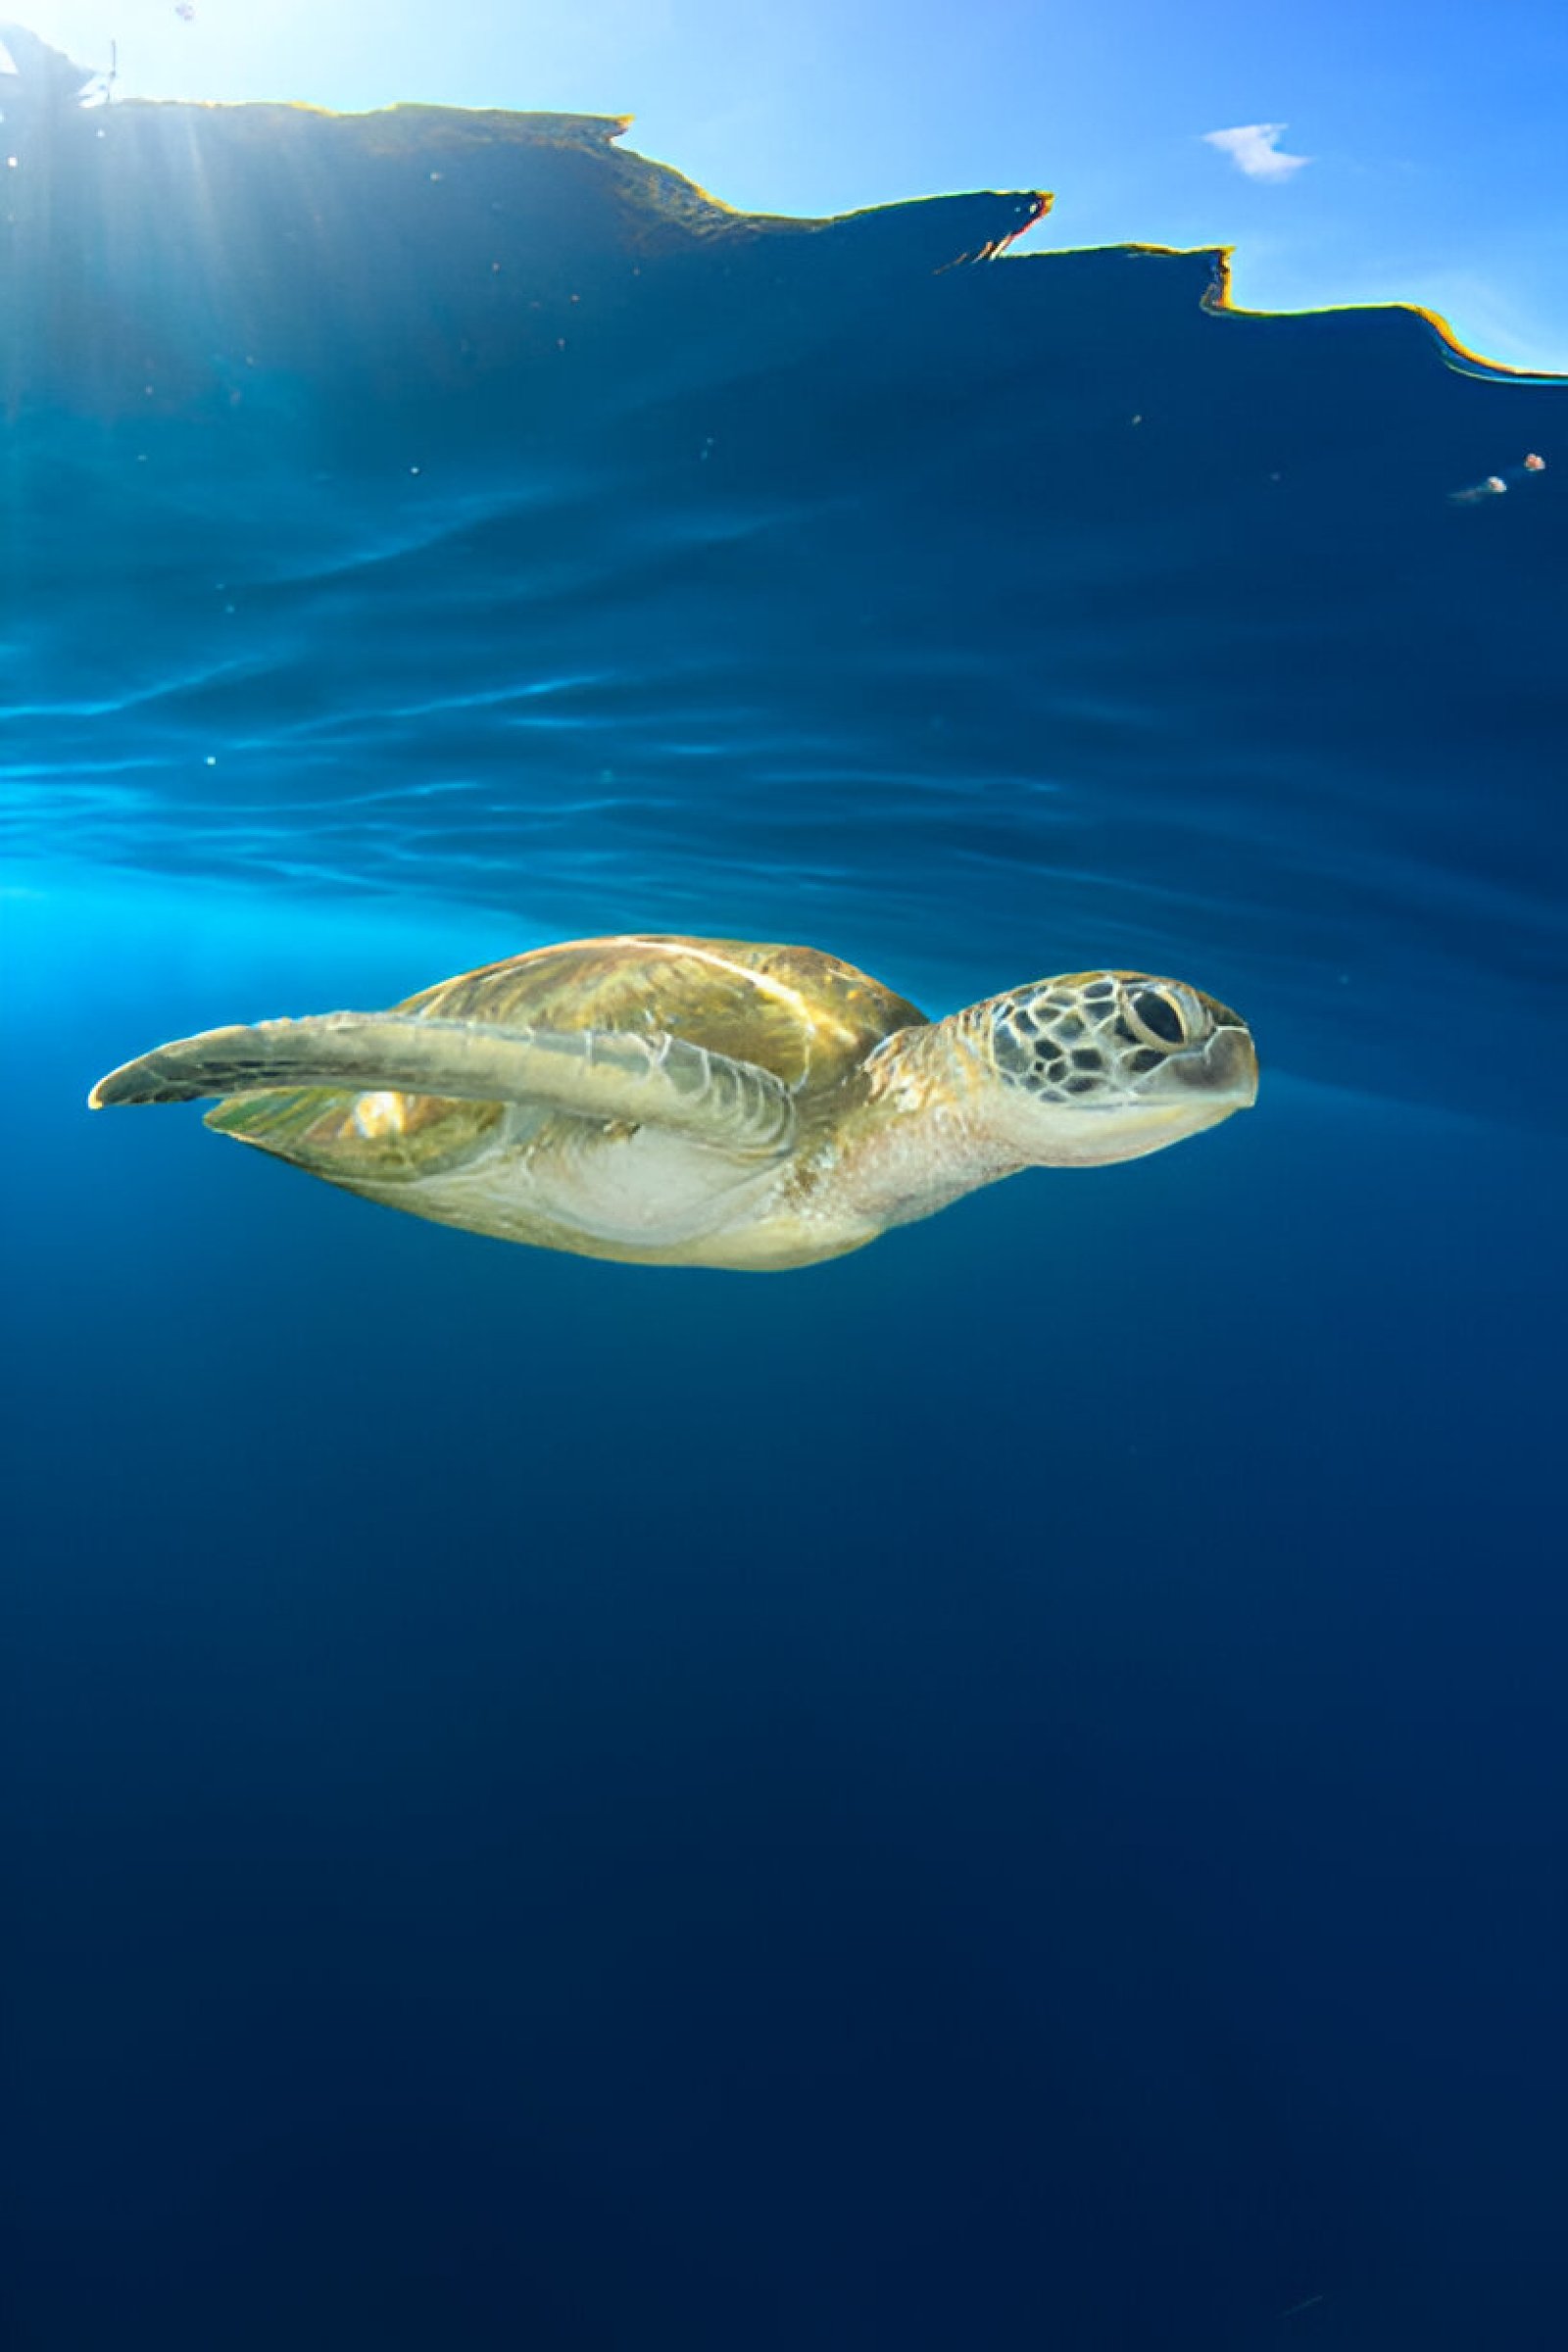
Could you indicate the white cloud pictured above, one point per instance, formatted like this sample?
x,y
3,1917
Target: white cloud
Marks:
x,y
1252,149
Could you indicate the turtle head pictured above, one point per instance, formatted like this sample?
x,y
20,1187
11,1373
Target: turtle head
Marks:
x,y
1098,1066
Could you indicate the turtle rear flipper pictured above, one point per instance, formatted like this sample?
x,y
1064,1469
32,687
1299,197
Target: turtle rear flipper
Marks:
x,y
652,1080
385,1138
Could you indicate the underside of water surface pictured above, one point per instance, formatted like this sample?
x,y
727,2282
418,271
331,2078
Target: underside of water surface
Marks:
x,y
456,505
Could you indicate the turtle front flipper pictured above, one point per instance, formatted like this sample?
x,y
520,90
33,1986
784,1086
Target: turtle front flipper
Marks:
x,y
650,1080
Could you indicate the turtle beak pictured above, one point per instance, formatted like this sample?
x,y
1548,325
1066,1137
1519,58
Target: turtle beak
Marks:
x,y
1225,1067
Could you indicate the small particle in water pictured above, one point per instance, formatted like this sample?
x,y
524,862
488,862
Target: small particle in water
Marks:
x,y
185,11
212,759
413,470
435,175
1496,485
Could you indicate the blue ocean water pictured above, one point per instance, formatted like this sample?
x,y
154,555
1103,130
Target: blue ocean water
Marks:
x,y
1005,1790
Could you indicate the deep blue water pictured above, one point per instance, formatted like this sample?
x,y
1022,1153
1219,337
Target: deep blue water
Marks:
x,y
1007,1791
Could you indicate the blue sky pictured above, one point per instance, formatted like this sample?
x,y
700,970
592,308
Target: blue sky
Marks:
x,y
1432,132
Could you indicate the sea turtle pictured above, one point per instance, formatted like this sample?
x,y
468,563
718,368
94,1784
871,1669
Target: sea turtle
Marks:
x,y
708,1102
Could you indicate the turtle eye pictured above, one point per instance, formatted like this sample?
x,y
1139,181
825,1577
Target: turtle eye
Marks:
x,y
1158,1014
